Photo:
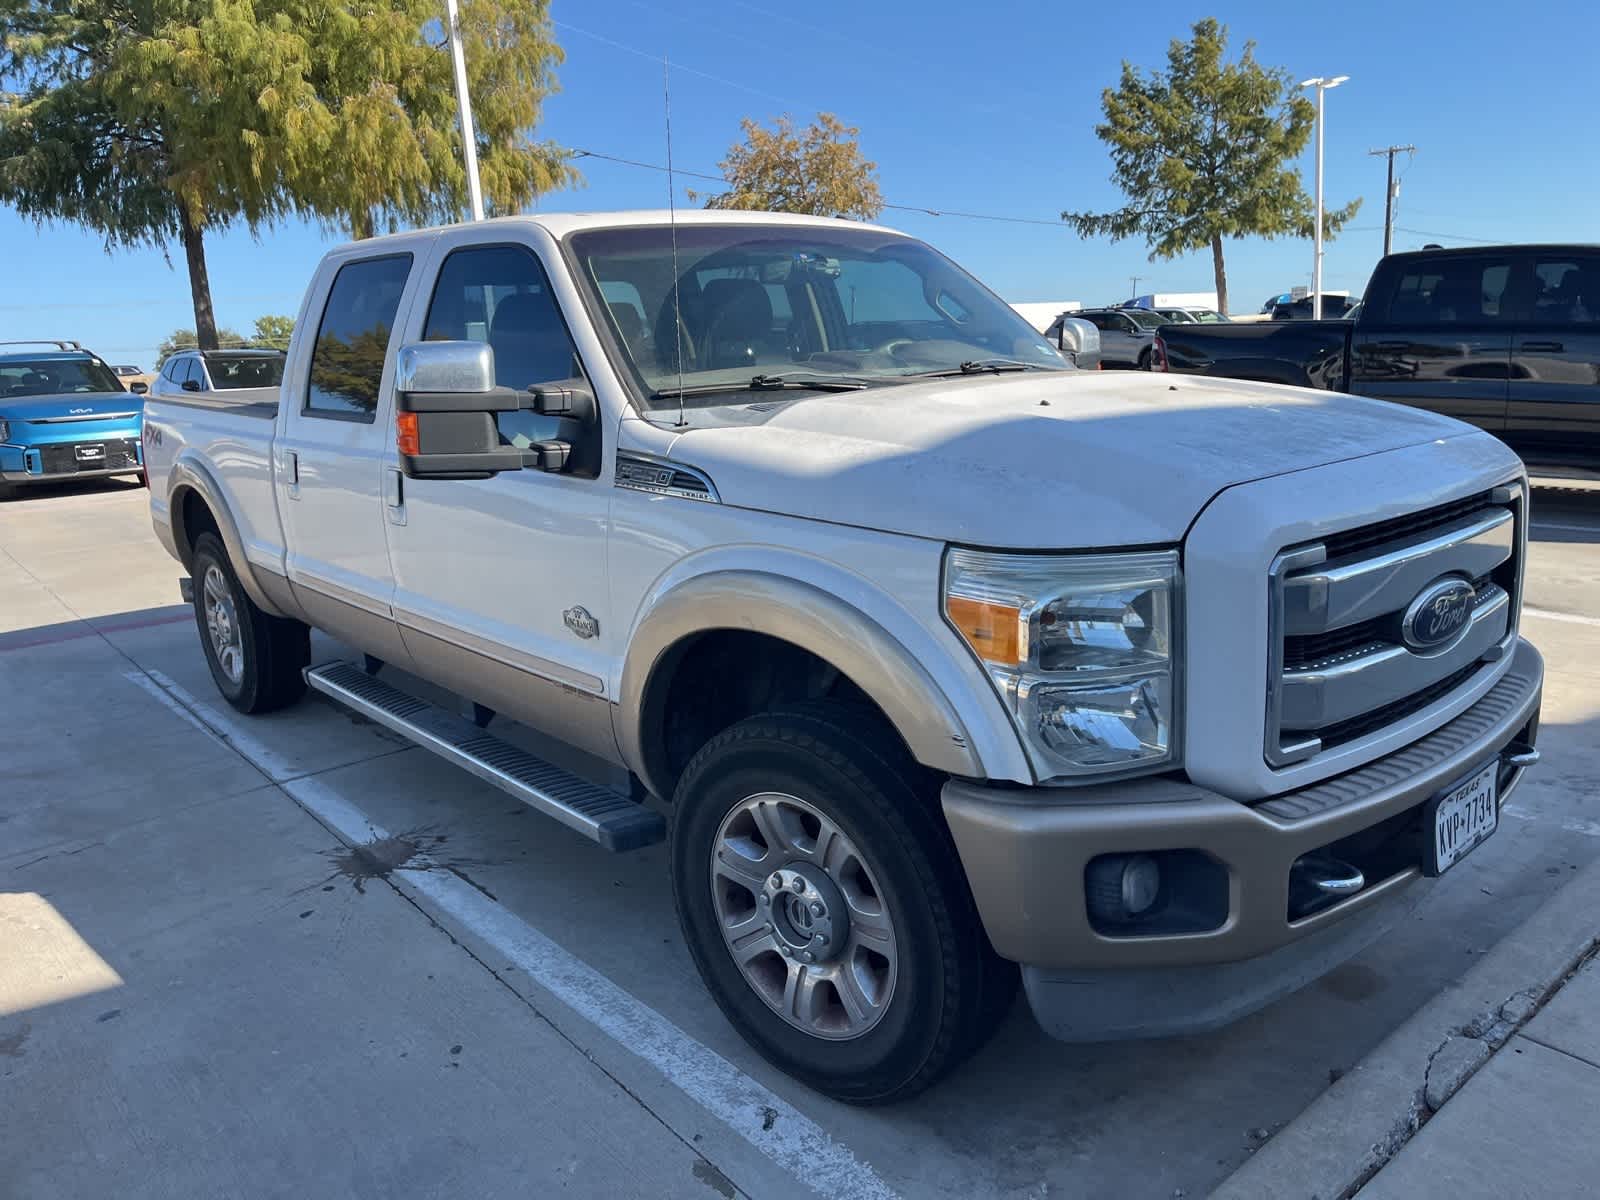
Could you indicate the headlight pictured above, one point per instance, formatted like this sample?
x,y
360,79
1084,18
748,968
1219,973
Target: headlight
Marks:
x,y
5,430
1081,649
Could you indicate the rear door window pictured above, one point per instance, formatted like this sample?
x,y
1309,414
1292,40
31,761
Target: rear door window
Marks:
x,y
353,338
1566,289
1453,291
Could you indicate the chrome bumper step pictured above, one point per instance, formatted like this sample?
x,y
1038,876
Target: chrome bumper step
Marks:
x,y
614,821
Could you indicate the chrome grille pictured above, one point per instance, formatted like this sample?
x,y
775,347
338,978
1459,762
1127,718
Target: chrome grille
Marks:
x,y
1339,667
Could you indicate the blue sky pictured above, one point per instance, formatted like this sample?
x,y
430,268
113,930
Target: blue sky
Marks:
x,y
985,109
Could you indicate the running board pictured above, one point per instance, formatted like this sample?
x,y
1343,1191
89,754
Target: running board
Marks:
x,y
614,821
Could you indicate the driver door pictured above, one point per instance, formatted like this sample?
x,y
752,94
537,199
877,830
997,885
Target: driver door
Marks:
x,y
500,583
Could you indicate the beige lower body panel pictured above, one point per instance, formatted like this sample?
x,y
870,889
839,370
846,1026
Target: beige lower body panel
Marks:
x,y
1025,850
558,710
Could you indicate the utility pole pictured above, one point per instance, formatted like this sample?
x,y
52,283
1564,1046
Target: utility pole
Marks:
x,y
469,137
1134,295
1390,191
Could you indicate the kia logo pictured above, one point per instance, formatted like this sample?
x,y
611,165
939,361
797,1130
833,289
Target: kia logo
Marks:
x,y
1438,615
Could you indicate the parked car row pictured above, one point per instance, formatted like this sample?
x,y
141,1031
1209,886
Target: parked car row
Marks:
x,y
66,413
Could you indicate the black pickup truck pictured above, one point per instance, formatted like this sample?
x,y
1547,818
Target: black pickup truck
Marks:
x,y
1506,337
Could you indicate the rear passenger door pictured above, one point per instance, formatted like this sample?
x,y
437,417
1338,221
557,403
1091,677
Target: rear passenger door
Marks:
x,y
333,446
1440,339
1553,417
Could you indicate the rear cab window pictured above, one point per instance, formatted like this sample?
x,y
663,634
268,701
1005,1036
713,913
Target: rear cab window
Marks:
x,y
1457,290
1566,289
353,338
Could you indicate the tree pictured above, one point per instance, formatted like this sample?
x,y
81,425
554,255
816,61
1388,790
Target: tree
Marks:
x,y
274,331
817,170
171,118
185,339
1202,152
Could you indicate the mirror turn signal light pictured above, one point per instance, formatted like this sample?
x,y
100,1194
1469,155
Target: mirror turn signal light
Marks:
x,y
406,437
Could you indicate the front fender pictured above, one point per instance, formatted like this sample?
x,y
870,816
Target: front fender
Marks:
x,y
191,474
946,724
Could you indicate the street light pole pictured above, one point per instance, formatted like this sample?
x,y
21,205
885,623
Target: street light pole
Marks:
x,y
469,137
1322,85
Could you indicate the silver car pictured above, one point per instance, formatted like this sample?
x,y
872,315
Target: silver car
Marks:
x,y
190,371
1126,334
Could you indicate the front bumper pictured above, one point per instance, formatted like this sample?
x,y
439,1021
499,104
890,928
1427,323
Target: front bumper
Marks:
x,y
1026,851
118,453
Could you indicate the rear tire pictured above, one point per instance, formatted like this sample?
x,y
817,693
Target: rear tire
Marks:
x,y
1144,360
256,659
826,791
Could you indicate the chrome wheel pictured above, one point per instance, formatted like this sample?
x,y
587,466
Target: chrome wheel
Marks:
x,y
803,917
222,623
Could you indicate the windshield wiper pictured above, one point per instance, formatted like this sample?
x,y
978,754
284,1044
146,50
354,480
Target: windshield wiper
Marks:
x,y
977,366
766,383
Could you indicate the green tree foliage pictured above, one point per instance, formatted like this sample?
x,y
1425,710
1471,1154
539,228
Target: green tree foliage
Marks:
x,y
185,339
1202,151
274,331
167,119
817,170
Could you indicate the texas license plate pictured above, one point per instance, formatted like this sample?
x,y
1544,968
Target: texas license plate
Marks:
x,y
1460,819
90,452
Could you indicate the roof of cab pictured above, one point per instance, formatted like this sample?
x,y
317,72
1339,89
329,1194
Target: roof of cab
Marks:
x,y
47,355
559,225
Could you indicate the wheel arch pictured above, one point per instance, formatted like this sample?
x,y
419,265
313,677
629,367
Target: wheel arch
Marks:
x,y
801,615
195,503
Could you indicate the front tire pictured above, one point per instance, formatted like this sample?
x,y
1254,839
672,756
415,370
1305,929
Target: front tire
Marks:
x,y
825,905
1144,359
256,659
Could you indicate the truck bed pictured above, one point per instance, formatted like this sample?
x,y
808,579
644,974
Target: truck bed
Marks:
x,y
1302,353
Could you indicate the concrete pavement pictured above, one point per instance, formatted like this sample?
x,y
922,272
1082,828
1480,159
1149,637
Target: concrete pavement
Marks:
x,y
1524,1126
158,849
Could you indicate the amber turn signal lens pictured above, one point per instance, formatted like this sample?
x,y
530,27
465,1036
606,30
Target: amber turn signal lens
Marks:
x,y
992,630
405,433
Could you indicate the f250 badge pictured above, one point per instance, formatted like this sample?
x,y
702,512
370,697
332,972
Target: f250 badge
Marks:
x,y
581,621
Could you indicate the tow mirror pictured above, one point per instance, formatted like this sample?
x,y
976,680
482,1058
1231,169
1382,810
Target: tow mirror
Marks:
x,y
446,401
140,388
1080,343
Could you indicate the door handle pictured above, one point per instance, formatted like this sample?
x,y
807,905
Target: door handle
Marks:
x,y
394,495
1543,347
289,469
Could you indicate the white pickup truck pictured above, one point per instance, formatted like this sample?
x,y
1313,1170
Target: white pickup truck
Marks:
x,y
945,663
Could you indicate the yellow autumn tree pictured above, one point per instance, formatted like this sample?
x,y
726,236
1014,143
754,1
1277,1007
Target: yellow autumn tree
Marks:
x,y
817,170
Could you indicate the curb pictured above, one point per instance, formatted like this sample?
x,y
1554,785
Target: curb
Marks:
x,y
1347,1134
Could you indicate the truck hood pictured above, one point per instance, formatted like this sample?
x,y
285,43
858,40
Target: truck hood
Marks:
x,y
69,404
1038,461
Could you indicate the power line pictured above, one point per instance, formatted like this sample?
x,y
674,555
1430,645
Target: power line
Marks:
x,y
1452,237
578,152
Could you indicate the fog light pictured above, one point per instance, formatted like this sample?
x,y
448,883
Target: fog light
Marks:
x,y
1121,887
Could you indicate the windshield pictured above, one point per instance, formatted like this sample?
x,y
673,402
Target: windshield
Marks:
x,y
1145,319
50,376
245,370
794,303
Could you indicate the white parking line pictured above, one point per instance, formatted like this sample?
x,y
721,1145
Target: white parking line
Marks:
x,y
773,1126
1545,614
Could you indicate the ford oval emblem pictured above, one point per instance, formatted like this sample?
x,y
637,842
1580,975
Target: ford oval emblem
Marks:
x,y
1438,615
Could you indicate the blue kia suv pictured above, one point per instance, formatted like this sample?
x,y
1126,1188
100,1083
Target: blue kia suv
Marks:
x,y
64,414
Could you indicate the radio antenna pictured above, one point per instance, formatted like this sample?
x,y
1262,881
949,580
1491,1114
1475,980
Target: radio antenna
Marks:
x,y
672,222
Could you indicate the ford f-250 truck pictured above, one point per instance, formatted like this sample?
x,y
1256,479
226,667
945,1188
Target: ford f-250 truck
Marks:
x,y
1506,337
937,657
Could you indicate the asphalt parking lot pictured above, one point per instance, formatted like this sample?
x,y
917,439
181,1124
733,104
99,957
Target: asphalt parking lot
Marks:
x,y
204,990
